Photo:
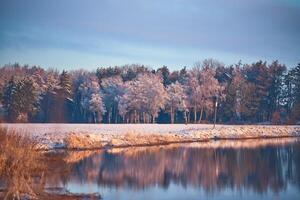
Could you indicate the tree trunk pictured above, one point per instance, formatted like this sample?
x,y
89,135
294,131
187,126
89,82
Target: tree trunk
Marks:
x,y
195,114
201,114
95,118
109,115
185,117
172,116
116,115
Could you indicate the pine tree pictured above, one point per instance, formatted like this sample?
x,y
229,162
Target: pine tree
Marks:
x,y
165,73
276,76
60,99
232,105
7,99
296,81
65,84
25,99
296,92
259,81
20,100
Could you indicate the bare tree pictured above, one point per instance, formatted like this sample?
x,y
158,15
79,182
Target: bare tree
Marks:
x,y
176,100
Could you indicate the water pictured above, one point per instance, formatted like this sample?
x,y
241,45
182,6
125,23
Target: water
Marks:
x,y
253,169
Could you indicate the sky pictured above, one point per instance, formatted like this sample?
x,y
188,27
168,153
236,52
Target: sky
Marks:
x,y
73,34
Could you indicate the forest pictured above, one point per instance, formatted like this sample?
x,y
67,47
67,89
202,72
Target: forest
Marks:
x,y
241,93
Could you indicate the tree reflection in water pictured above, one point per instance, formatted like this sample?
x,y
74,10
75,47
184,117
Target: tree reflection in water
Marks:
x,y
259,169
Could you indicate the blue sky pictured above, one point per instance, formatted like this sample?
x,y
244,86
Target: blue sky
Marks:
x,y
87,34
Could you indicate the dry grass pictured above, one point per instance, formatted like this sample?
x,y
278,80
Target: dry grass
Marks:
x,y
74,141
22,169
21,166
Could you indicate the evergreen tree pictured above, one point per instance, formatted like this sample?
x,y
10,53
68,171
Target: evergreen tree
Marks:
x,y
287,92
276,76
165,73
296,92
20,100
296,81
61,104
254,93
259,80
25,99
65,84
7,99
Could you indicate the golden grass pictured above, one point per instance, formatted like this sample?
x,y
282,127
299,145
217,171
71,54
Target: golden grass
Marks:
x,y
21,166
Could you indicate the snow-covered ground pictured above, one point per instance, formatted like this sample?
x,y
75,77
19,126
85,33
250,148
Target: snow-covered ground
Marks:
x,y
88,136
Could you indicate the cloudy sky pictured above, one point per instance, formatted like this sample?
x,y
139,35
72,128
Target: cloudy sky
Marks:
x,y
87,34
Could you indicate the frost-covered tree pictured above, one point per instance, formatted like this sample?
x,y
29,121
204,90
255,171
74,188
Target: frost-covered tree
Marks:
x,y
235,98
295,79
20,100
90,97
96,107
78,77
65,84
212,89
40,86
176,100
153,94
7,99
49,94
195,92
202,88
144,97
130,103
136,93
113,89
275,94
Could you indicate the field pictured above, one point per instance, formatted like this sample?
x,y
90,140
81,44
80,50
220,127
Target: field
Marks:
x,y
92,136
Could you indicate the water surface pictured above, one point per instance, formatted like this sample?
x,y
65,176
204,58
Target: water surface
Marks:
x,y
253,169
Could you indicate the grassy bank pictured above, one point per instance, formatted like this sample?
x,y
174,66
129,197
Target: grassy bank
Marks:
x,y
93,136
20,166
22,170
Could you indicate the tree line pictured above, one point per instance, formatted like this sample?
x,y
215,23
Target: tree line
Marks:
x,y
245,93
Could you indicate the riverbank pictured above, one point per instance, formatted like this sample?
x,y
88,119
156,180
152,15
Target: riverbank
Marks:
x,y
54,194
94,136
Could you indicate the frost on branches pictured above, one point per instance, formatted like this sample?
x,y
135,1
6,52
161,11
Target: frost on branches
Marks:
x,y
143,98
137,94
177,100
91,100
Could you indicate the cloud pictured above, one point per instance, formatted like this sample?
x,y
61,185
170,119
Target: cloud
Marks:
x,y
155,30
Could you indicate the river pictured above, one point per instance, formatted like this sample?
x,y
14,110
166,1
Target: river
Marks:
x,y
250,169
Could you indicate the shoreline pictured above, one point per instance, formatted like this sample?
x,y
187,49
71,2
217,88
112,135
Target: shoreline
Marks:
x,y
99,136
60,194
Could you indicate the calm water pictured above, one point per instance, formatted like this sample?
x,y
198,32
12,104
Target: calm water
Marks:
x,y
221,170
